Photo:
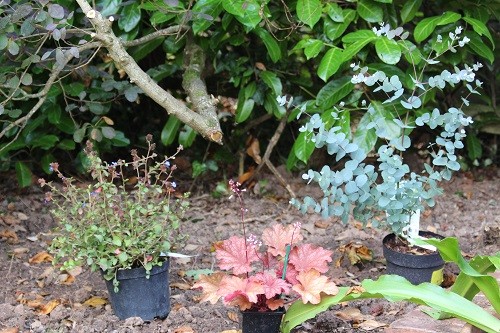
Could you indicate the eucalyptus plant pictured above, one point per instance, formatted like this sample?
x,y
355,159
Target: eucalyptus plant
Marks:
x,y
388,192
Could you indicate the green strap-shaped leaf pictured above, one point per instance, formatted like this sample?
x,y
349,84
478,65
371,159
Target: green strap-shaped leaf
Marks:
x,y
209,8
370,11
23,174
271,44
359,35
396,288
303,147
330,63
388,50
309,11
246,11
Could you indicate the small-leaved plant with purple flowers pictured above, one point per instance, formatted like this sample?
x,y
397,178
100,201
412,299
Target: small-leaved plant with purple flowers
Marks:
x,y
264,274
126,217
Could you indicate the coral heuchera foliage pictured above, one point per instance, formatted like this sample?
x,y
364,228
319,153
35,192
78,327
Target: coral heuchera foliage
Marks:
x,y
262,275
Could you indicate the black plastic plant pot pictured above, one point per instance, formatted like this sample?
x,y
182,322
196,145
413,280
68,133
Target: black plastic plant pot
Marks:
x,y
262,322
139,296
416,268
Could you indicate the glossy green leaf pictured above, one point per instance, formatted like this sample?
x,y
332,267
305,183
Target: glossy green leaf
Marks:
x,y
211,8
312,48
170,130
330,63
141,51
309,11
335,30
187,136
480,28
353,49
244,110
449,17
54,113
3,41
474,148
130,16
365,138
388,50
109,7
425,28
409,10
23,174
45,141
333,92
272,81
303,147
66,144
74,89
246,11
358,36
476,44
271,44
45,162
335,12
370,11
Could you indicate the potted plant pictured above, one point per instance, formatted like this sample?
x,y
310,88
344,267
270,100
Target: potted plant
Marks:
x,y
261,276
388,193
124,226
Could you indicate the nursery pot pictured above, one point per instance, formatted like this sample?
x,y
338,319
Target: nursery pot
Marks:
x,y
262,321
139,296
415,268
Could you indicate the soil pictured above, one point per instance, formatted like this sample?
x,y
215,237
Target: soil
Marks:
x,y
36,297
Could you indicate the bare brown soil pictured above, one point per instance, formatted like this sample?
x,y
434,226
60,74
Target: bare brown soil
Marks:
x,y
36,297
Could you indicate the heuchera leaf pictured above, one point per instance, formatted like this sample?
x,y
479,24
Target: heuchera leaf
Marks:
x,y
277,238
231,255
241,292
273,285
312,284
307,256
210,284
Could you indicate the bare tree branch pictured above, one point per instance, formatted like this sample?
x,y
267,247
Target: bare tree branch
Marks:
x,y
208,127
159,33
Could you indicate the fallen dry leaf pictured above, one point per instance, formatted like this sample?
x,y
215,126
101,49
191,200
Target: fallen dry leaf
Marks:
x,y
253,150
10,220
41,257
370,324
20,251
77,270
321,224
10,330
68,279
184,329
10,236
181,285
350,314
95,301
47,308
355,290
22,216
233,316
356,252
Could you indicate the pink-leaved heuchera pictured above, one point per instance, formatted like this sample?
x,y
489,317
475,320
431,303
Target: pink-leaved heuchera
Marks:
x,y
252,271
